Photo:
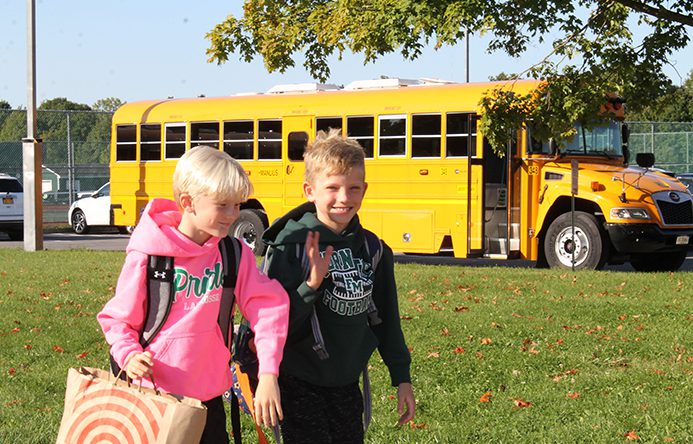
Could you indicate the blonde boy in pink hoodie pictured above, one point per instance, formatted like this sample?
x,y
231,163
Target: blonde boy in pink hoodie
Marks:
x,y
188,356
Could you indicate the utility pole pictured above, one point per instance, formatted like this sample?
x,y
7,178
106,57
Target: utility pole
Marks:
x,y
466,55
31,148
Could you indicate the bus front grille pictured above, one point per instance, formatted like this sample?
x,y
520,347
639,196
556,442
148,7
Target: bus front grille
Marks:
x,y
675,208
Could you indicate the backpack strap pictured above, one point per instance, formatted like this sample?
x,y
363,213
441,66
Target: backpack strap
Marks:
x,y
159,300
159,296
230,249
318,340
374,249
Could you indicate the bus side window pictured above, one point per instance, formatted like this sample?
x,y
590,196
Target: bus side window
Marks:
x,y
175,140
362,130
204,133
392,135
425,137
126,142
298,140
460,135
328,123
238,139
269,139
150,142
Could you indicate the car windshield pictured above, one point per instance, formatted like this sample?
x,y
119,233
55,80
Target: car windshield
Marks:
x,y
604,140
104,190
10,186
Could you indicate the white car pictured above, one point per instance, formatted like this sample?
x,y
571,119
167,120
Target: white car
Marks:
x,y
12,207
93,211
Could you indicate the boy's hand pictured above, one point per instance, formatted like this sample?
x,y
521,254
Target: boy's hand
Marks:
x,y
406,404
319,264
268,406
139,365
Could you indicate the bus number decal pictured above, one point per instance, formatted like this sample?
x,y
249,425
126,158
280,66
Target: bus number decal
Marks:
x,y
533,170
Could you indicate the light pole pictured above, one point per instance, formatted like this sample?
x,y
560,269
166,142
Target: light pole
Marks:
x,y
31,148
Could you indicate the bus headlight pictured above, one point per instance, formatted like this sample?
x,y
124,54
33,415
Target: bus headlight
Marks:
x,y
629,213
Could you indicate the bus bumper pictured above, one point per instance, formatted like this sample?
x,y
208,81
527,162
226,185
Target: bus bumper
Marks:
x,y
648,238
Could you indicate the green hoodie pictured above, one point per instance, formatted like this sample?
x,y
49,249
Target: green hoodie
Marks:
x,y
341,303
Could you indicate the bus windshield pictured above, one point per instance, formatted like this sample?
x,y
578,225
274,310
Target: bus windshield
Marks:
x,y
603,140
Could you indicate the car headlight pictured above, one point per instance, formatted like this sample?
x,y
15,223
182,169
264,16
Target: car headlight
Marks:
x,y
629,213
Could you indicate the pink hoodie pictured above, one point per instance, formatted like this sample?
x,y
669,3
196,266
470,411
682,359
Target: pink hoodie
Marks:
x,y
189,354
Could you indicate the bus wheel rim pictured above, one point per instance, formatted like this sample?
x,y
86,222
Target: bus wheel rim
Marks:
x,y
565,244
246,232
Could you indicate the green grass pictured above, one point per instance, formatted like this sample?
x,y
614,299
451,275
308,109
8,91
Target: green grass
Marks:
x,y
595,354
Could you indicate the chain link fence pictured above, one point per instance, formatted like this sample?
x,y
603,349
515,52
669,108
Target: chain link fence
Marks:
x,y
671,143
76,151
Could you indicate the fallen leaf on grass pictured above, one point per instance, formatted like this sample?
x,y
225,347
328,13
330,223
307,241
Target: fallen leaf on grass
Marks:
x,y
486,397
560,376
461,309
631,435
459,350
486,341
521,403
82,355
573,395
445,331
28,346
15,330
421,425
433,355
405,318
58,349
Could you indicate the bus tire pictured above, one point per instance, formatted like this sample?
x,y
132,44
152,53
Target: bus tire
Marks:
x,y
249,228
658,261
591,249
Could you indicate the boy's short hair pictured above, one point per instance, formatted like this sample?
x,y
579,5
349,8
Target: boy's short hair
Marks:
x,y
332,153
208,171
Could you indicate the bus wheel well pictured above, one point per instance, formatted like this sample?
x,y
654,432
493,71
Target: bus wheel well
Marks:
x,y
254,204
561,206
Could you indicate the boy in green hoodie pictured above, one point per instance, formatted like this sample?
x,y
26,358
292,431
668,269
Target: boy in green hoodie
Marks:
x,y
321,399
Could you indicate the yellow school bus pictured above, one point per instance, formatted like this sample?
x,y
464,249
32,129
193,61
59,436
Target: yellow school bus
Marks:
x,y
435,184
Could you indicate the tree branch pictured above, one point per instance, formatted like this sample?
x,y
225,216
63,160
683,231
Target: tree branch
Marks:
x,y
660,13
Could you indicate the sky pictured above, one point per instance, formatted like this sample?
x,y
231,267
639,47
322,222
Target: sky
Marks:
x,y
88,50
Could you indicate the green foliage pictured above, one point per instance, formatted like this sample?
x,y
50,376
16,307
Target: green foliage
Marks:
x,y
89,129
5,104
591,355
676,105
594,54
108,105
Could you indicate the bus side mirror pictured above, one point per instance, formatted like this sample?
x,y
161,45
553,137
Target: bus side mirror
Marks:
x,y
645,160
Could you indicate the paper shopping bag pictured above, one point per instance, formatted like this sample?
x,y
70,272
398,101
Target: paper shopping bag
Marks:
x,y
101,408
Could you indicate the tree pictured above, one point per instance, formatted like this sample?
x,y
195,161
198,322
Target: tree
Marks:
x,y
674,106
109,105
5,104
594,55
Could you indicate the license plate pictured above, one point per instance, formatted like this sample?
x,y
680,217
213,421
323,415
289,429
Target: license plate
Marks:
x,y
681,240
8,200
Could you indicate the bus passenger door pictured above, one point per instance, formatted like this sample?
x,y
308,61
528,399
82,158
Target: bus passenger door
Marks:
x,y
501,210
298,131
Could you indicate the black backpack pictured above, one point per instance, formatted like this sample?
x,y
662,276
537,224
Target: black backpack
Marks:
x,y
160,274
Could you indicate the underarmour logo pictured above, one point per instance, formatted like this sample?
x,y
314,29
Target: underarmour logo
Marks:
x,y
159,274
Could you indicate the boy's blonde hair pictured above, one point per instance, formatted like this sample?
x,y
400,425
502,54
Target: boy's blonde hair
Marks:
x,y
332,153
208,171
